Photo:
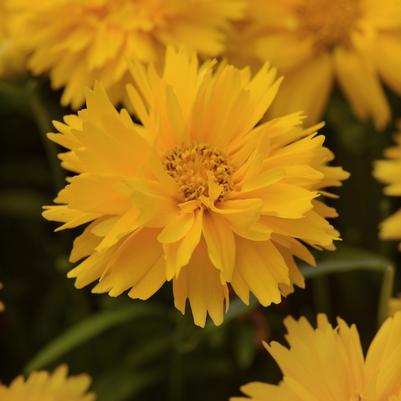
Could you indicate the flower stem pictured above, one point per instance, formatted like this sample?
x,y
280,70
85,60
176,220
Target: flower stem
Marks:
x,y
43,122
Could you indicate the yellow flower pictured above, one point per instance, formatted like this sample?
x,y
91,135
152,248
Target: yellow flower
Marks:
x,y
199,193
389,172
328,364
316,43
2,306
12,55
44,386
81,41
394,305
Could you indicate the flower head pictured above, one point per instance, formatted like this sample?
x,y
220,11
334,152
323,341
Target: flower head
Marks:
x,y
44,386
81,41
12,55
327,363
199,193
315,43
388,171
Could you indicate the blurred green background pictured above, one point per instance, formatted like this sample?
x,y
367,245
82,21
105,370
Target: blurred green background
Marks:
x,y
148,351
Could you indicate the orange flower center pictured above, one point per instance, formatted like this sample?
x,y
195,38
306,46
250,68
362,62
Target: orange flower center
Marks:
x,y
328,22
192,166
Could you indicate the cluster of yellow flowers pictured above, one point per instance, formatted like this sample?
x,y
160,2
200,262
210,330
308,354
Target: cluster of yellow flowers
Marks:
x,y
321,364
215,185
314,43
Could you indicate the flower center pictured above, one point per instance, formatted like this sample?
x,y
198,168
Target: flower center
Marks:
x,y
328,22
192,166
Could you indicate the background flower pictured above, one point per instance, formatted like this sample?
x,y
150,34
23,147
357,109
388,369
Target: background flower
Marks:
x,y
388,171
317,42
394,305
79,42
328,363
12,55
44,386
200,194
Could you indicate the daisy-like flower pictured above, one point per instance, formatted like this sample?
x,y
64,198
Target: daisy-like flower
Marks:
x,y
388,171
327,363
199,193
81,41
12,55
44,386
315,43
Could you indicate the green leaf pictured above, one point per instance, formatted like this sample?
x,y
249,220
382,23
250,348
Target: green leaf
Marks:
x,y
349,259
87,329
123,384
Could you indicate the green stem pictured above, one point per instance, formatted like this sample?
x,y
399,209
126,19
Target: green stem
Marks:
x,y
176,380
43,121
386,292
321,294
377,265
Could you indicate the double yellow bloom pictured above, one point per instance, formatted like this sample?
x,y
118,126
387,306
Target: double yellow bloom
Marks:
x,y
200,193
81,41
317,43
313,43
44,386
327,364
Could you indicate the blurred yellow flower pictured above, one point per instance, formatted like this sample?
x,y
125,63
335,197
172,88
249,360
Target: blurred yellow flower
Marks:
x,y
44,386
394,305
315,43
389,172
199,194
328,364
12,56
2,306
81,41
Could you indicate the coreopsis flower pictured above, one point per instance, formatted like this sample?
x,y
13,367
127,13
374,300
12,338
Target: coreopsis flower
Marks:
x,y
317,43
388,172
12,55
327,363
81,41
44,386
199,193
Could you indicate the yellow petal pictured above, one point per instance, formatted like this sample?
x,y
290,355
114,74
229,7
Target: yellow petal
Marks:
x,y
361,86
220,244
306,89
388,58
179,254
134,260
200,283
262,268
84,244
